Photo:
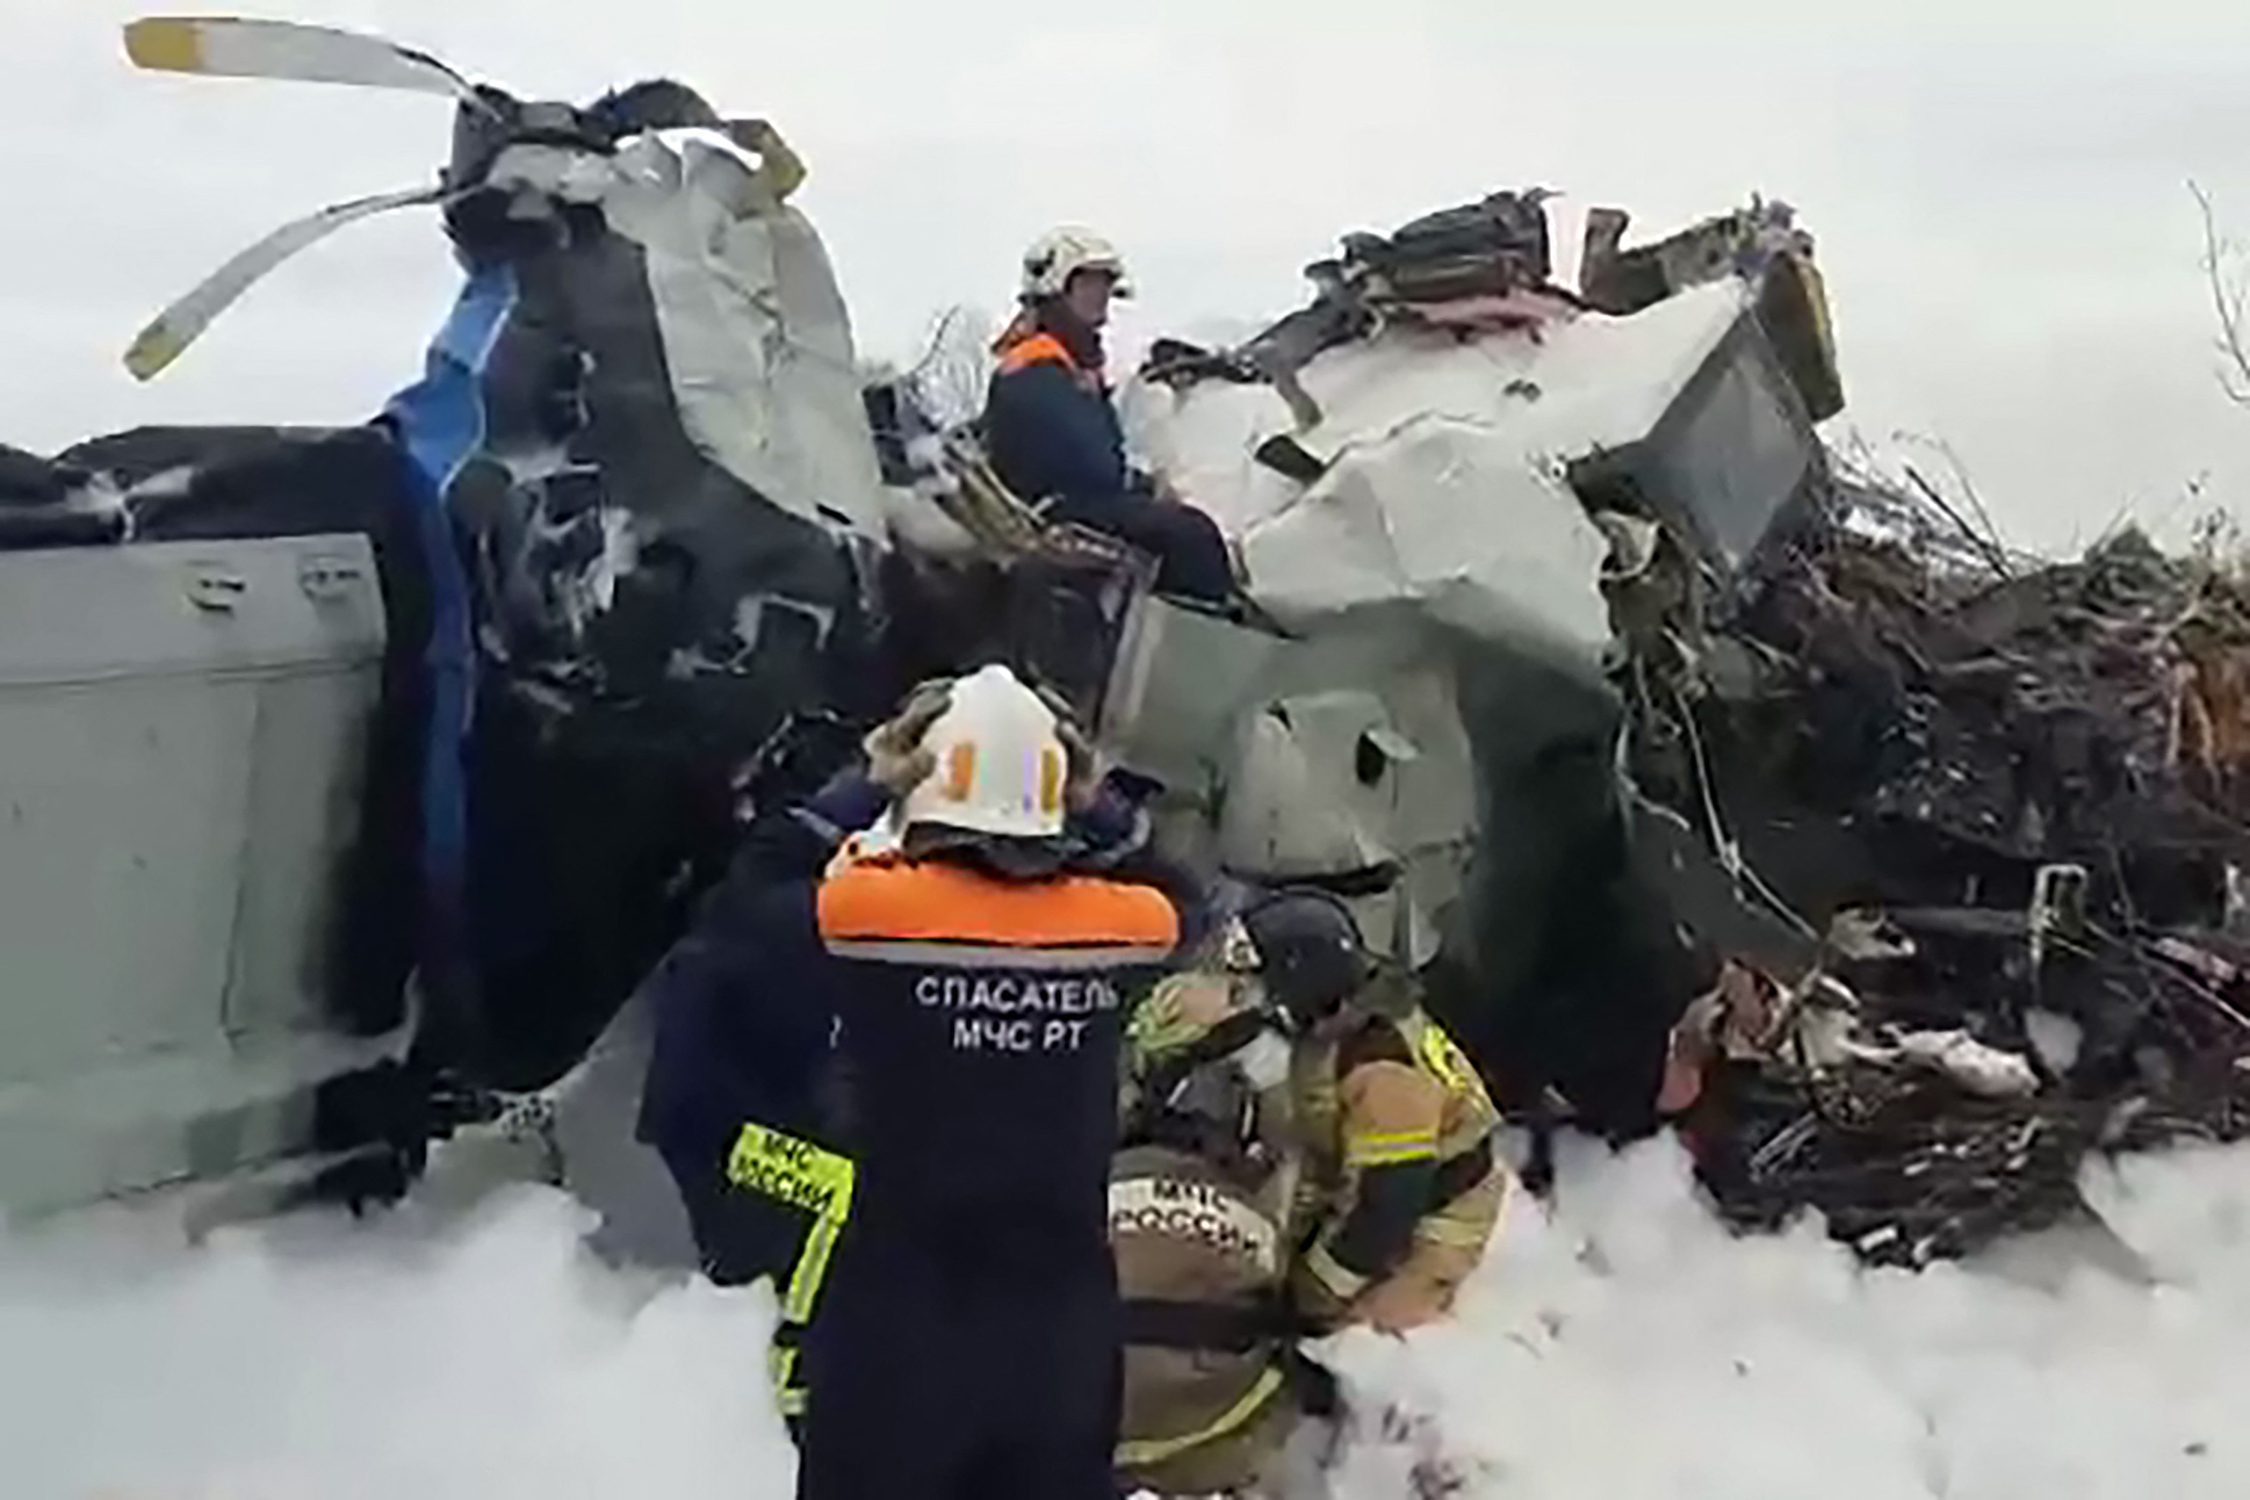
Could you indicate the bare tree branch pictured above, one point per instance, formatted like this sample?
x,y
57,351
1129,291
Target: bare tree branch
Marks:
x,y
1970,492
2226,302
1986,533
1991,548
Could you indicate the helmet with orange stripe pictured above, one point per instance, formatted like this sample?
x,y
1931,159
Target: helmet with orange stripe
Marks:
x,y
1000,764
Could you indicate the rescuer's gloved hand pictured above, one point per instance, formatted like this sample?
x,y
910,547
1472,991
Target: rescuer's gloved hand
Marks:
x,y
896,759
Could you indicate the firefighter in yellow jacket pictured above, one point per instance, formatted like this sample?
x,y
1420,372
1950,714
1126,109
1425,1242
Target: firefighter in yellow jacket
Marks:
x,y
1402,1187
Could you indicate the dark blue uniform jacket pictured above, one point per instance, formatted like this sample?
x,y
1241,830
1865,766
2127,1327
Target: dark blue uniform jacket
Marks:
x,y
745,1004
1053,435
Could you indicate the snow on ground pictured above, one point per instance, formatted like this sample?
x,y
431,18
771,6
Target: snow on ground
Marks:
x,y
1631,1350
484,1359
1626,1350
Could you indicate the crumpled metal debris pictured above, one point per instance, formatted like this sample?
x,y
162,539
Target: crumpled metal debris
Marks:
x,y
1998,791
1489,248
1741,243
1985,1071
1481,265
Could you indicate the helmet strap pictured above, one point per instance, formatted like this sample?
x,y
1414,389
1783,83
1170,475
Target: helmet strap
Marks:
x,y
1083,341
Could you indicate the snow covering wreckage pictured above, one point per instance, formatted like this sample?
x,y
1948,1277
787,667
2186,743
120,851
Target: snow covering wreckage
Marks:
x,y
356,777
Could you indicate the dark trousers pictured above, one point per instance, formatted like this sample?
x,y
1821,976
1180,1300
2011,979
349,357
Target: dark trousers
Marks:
x,y
939,1379
1190,552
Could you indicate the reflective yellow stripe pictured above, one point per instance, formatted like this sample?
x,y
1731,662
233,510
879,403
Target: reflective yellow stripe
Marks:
x,y
1450,1232
1444,1058
780,1365
817,1180
1388,1148
1141,1452
1331,1273
811,1268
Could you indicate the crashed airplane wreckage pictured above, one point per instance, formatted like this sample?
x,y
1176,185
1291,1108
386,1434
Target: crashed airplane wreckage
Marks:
x,y
2013,800
360,775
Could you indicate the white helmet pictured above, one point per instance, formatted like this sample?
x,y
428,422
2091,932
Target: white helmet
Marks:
x,y
1059,254
1001,765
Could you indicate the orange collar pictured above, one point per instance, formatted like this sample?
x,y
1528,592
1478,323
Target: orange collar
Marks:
x,y
1037,349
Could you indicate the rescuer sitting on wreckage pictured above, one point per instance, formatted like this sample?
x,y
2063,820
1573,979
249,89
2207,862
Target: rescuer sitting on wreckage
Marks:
x,y
1052,430
974,974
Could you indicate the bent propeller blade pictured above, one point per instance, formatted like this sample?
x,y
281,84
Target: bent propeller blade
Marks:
x,y
172,330
241,47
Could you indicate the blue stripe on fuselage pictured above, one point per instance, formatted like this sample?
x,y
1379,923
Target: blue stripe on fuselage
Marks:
x,y
443,422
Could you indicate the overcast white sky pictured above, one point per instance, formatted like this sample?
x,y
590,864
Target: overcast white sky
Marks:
x,y
2000,204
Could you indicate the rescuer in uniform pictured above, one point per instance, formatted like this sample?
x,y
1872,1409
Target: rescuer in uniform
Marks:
x,y
1402,1187
967,1343
743,1099
1052,430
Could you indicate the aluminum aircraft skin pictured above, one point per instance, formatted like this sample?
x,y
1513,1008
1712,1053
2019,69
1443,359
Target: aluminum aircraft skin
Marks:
x,y
647,539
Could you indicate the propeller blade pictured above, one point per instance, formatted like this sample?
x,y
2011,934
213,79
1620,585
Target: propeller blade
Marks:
x,y
239,47
181,324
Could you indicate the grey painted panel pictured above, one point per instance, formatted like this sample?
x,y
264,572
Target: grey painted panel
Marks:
x,y
302,807
182,731
1741,454
165,1117
1181,680
94,614
121,817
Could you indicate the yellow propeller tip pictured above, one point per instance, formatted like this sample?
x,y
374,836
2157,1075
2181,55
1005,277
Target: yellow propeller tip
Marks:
x,y
151,354
168,44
